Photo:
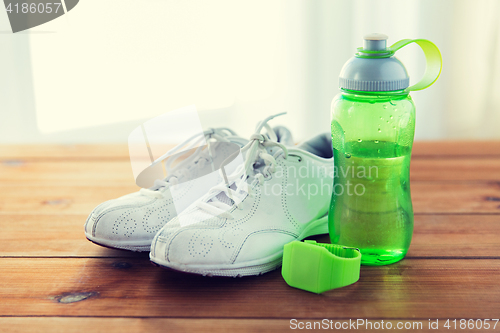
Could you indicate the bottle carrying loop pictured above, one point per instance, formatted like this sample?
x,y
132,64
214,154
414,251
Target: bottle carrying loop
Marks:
x,y
433,64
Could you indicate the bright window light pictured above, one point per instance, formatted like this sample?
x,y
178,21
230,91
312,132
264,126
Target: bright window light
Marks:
x,y
120,60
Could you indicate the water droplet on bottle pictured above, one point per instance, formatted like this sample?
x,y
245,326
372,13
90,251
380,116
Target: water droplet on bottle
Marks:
x,y
381,118
378,151
391,116
379,130
392,103
347,155
394,127
359,140
376,141
395,110
387,121
385,106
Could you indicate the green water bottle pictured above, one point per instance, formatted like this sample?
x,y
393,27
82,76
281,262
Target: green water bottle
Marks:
x,y
373,125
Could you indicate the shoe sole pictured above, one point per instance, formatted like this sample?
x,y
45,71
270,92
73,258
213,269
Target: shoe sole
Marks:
x,y
134,247
249,268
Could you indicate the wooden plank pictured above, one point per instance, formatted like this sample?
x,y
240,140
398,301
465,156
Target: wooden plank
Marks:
x,y
446,198
67,173
124,325
455,169
134,325
57,199
94,287
110,173
452,236
428,197
51,236
120,151
455,236
64,152
465,149
435,236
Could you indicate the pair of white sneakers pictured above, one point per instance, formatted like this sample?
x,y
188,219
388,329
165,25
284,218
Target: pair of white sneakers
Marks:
x,y
232,227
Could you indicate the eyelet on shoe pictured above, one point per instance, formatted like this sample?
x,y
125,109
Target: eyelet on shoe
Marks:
x,y
298,156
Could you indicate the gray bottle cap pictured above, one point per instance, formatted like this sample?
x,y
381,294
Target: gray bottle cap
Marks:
x,y
375,42
374,71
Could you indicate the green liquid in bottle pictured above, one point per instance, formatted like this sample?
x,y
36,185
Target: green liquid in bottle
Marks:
x,y
371,205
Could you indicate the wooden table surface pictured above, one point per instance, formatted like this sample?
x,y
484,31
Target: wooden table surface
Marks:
x,y
52,278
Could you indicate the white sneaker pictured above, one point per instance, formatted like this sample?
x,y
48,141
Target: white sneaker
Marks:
x,y
130,222
284,198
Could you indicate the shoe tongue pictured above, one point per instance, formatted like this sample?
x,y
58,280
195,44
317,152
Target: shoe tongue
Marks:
x,y
222,197
284,135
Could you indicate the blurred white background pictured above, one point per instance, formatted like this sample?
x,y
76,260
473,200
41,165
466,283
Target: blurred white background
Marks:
x,y
96,73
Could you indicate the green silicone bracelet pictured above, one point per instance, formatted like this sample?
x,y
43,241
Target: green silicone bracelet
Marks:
x,y
318,267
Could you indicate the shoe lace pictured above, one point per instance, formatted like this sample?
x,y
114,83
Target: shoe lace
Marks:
x,y
183,169
236,183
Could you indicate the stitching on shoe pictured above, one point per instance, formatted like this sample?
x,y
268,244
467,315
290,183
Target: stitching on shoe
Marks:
x,y
168,242
235,226
136,209
147,217
190,185
127,206
114,229
104,212
283,196
281,231
219,235
200,234
253,210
